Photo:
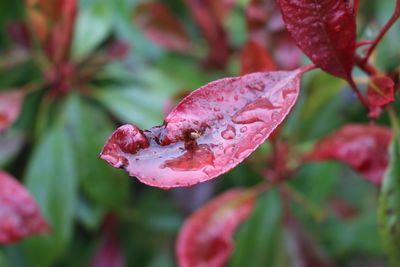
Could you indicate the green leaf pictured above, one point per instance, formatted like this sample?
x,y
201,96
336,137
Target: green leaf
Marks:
x,y
3,260
88,214
257,238
51,178
93,25
89,128
389,205
143,108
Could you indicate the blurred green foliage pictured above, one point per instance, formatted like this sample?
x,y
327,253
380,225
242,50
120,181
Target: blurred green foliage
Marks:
x,y
53,147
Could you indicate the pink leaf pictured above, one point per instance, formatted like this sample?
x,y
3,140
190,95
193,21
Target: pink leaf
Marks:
x,y
162,27
380,91
10,107
254,58
19,214
206,237
325,31
208,133
363,147
110,253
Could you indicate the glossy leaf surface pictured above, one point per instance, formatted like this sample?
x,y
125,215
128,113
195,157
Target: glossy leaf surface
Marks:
x,y
208,133
380,91
254,58
363,147
325,31
389,205
162,26
10,107
206,237
19,214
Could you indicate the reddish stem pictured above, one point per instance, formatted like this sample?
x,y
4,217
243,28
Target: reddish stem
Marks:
x,y
364,66
384,30
362,43
358,93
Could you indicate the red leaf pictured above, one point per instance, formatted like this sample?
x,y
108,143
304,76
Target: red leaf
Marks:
x,y
162,27
212,30
10,107
221,8
110,253
53,24
211,131
19,214
303,250
206,237
325,31
254,58
363,147
380,91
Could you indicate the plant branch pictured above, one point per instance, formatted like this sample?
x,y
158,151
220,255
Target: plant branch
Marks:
x,y
358,93
384,30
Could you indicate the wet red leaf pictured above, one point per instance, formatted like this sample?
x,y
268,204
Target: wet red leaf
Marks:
x,y
363,147
162,26
206,237
380,91
208,133
325,31
213,31
19,214
254,58
302,248
10,107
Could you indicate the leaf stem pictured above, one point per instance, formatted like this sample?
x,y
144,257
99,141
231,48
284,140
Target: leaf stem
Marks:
x,y
298,197
384,30
358,93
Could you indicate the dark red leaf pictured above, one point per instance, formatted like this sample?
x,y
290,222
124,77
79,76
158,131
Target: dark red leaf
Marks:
x,y
206,237
19,214
363,147
208,133
212,30
10,107
254,58
325,31
266,27
380,91
302,249
110,253
162,27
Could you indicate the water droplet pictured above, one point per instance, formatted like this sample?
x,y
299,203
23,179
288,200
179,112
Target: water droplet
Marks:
x,y
236,97
229,132
229,149
208,170
243,129
256,85
220,116
207,92
217,109
220,98
196,122
337,28
257,110
230,161
242,91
